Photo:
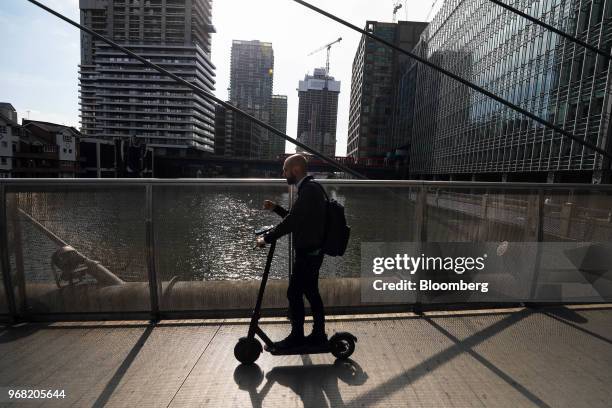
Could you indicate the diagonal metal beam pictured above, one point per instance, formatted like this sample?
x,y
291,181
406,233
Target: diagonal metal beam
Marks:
x,y
202,92
475,87
555,30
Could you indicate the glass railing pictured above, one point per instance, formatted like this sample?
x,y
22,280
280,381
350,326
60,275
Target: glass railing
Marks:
x,y
186,246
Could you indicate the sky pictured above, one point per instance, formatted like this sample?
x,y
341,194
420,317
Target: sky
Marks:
x,y
40,53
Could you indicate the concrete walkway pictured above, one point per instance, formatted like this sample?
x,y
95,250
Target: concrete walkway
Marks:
x,y
512,358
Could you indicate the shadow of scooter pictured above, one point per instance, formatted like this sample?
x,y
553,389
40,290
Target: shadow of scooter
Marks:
x,y
316,385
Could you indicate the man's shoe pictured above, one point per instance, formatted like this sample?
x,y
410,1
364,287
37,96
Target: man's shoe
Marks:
x,y
316,339
292,340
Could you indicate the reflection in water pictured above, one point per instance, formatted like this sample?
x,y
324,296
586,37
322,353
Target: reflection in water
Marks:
x,y
316,385
201,232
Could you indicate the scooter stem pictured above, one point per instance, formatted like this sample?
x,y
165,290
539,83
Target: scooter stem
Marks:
x,y
262,288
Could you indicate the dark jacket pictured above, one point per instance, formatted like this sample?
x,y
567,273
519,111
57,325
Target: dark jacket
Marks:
x,y
306,220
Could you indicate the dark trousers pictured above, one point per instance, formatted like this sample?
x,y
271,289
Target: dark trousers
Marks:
x,y
304,281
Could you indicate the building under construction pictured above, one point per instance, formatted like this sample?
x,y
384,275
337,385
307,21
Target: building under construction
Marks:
x,y
318,112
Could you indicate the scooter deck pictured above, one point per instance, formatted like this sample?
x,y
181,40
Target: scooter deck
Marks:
x,y
325,348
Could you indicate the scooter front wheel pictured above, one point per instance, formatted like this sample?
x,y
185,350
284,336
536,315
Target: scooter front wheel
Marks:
x,y
247,350
342,345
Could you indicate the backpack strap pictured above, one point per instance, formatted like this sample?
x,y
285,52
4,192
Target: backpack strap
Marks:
x,y
322,189
326,213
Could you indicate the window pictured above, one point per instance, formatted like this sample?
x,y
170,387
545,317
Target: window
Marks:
x,y
4,144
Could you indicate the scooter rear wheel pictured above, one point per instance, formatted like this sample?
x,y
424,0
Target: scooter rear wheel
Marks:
x,y
247,350
342,345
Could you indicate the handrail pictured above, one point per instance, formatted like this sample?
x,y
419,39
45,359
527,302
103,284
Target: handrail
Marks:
x,y
46,182
555,30
566,224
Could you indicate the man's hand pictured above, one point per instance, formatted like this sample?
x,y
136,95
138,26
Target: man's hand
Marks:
x,y
260,243
269,205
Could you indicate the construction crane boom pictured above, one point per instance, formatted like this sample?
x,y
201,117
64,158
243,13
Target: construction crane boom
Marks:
x,y
396,6
328,47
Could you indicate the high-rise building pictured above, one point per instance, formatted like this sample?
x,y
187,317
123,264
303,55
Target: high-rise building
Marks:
x,y
318,111
278,120
120,98
376,71
236,136
251,78
461,134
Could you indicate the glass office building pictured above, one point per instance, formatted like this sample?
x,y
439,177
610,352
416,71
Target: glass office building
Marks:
x,y
251,80
458,133
375,73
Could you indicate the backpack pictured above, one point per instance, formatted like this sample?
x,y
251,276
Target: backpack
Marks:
x,y
337,232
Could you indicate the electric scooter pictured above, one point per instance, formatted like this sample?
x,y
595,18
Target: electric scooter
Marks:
x,y
248,349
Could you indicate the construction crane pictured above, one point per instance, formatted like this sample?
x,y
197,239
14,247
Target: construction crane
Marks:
x,y
396,6
328,47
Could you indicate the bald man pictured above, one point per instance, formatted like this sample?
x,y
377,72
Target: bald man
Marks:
x,y
306,220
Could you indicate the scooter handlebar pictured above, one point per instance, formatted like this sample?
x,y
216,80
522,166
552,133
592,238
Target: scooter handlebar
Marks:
x,y
263,230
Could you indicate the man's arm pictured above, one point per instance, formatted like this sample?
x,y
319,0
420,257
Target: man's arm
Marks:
x,y
280,211
272,206
293,217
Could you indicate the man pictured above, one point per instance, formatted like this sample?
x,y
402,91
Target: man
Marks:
x,y
306,221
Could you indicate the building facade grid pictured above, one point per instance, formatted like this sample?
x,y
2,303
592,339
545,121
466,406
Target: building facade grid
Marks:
x,y
459,131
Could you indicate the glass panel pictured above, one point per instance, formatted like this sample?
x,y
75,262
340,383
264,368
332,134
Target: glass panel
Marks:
x,y
204,238
476,215
4,309
104,267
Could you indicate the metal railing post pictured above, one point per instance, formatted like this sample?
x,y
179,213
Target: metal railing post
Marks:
x,y
534,228
537,220
483,226
4,253
290,239
420,214
150,244
20,279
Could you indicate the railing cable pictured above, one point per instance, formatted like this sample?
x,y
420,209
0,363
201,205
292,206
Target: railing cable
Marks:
x,y
555,30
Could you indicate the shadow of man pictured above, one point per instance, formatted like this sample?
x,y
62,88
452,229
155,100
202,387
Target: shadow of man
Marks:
x,y
316,385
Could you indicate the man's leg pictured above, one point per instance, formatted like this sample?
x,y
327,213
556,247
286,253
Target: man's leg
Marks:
x,y
295,293
311,290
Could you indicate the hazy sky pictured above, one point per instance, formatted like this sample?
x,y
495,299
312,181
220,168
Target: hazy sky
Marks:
x,y
40,53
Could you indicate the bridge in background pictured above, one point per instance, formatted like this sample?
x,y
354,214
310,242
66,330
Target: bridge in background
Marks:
x,y
177,166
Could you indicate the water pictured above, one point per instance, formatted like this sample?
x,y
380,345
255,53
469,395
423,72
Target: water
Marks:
x,y
201,232
206,232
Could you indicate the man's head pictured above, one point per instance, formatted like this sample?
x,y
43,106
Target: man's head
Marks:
x,y
294,168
